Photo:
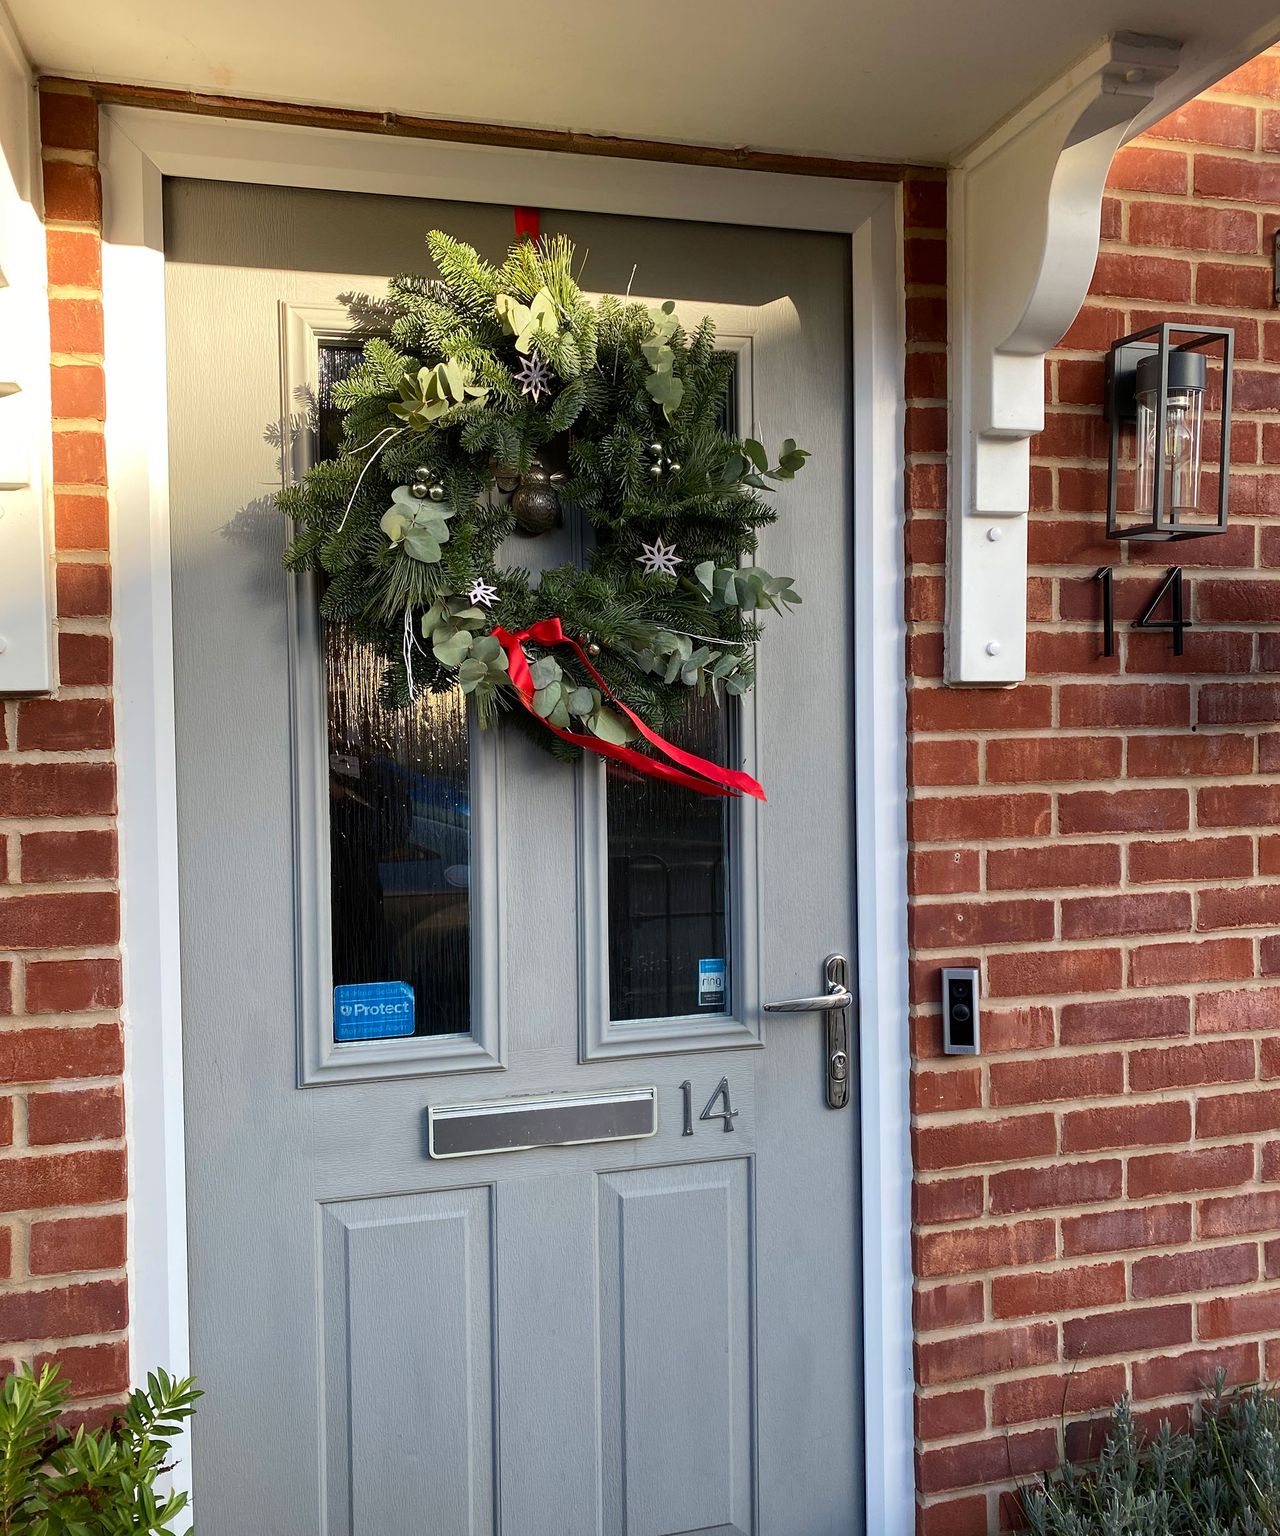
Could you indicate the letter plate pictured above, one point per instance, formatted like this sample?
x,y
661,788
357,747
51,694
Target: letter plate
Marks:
x,y
554,1120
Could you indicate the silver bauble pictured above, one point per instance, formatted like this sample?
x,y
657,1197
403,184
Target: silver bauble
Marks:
x,y
535,506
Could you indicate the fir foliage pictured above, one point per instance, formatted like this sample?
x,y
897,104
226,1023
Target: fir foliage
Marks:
x,y
634,413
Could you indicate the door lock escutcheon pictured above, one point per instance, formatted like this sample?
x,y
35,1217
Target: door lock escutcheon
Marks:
x,y
835,1004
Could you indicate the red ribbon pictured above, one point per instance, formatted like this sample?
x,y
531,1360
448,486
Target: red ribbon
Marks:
x,y
705,777
528,224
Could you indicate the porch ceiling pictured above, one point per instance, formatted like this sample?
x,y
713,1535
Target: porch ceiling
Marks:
x,y
915,80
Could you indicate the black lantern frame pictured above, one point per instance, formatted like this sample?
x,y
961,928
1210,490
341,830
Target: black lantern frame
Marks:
x,y
1123,360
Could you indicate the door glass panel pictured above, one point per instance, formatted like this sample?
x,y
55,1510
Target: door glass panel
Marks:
x,y
669,855
399,832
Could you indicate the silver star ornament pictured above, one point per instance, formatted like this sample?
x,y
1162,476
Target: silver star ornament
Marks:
x,y
482,595
534,378
658,558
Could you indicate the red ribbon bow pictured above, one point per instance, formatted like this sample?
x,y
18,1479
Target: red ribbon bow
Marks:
x,y
705,777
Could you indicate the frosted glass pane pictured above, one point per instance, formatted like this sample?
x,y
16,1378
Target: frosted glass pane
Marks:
x,y
668,873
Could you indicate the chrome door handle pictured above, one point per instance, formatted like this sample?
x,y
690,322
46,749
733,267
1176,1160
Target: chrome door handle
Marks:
x,y
839,997
835,1002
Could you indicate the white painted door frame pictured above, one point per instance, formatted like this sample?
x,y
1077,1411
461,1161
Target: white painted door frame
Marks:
x,y
140,147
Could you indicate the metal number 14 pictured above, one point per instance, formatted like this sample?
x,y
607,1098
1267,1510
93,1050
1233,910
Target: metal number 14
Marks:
x,y
1173,587
727,1113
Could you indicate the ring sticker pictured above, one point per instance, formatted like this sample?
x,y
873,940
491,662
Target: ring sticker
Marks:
x,y
372,1010
711,977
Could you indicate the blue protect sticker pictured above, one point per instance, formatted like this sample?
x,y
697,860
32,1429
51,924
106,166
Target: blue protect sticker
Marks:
x,y
710,983
372,1010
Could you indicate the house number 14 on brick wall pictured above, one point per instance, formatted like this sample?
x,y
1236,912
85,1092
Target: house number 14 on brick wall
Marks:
x,y
1173,591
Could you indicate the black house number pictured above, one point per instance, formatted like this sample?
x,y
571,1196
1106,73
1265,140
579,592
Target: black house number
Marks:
x,y
726,1113
1173,587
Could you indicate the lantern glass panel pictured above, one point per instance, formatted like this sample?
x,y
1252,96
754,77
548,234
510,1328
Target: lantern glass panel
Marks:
x,y
1184,420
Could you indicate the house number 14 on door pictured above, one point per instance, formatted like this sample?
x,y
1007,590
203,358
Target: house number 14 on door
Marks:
x,y
726,1113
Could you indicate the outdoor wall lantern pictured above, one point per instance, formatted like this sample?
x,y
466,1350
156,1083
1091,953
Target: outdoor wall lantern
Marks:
x,y
1158,385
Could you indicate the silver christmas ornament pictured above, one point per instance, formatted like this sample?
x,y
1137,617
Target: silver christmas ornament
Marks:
x,y
535,505
658,558
534,378
436,492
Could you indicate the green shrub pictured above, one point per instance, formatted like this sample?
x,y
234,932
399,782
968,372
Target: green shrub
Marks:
x,y
90,1483
1222,1478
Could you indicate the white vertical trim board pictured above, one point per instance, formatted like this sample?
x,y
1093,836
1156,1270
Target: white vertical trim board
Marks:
x,y
138,475
140,148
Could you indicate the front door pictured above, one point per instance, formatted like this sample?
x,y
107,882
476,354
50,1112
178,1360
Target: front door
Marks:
x,y
405,938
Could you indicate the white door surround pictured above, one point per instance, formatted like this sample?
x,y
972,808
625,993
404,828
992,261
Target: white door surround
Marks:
x,y
141,147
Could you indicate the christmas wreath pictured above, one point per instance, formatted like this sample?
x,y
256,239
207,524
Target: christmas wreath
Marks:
x,y
493,397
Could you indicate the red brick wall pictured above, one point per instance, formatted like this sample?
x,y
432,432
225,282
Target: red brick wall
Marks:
x,y
62,1154
1097,1199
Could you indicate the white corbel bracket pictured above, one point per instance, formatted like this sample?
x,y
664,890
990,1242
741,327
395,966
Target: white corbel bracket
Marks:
x,y
1025,216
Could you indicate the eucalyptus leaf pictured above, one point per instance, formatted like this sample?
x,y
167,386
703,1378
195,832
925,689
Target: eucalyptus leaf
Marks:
x,y
545,671
658,355
546,699
395,524
418,544
755,452
582,701
667,390
451,650
487,650
608,725
735,467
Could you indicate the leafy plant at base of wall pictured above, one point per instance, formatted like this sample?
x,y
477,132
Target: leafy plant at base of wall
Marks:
x,y
1222,1478
482,370
90,1483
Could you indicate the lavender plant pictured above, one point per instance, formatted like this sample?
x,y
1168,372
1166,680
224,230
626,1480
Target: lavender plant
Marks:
x,y
1222,1478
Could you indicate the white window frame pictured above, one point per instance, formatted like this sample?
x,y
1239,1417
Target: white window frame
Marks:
x,y
140,147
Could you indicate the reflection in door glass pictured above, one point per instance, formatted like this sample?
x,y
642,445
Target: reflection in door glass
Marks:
x,y
399,831
399,851
668,859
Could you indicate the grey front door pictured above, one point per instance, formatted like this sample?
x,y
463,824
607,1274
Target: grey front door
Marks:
x,y
649,1336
